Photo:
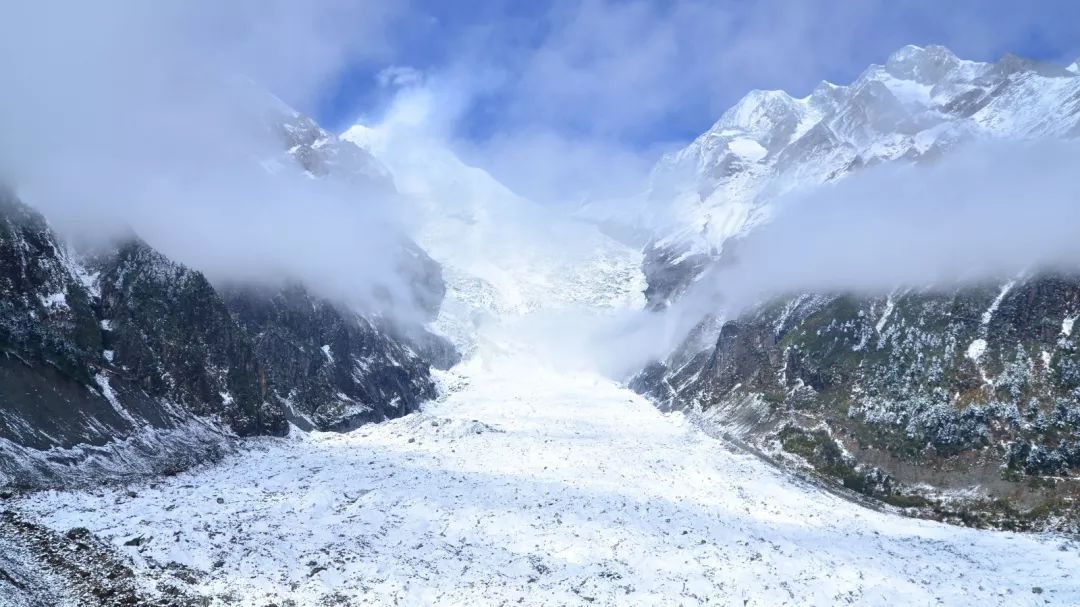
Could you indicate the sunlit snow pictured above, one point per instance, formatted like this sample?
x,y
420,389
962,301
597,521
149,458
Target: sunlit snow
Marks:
x,y
524,484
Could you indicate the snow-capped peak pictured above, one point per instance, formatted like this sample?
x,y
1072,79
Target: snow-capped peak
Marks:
x,y
923,65
365,137
922,101
759,111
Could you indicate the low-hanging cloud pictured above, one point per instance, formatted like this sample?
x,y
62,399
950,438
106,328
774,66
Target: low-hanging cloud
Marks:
x,y
988,212
158,117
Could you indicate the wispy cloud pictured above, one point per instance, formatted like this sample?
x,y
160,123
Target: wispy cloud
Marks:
x,y
154,115
988,212
579,98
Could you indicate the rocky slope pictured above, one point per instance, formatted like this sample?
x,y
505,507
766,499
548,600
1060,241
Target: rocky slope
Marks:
x,y
128,363
962,403
117,361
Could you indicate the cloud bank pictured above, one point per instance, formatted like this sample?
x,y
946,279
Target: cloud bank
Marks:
x,y
988,212
155,116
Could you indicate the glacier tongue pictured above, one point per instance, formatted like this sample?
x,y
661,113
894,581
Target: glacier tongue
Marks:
x,y
501,254
529,481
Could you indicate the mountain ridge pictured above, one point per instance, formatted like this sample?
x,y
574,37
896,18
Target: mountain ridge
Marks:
x,y
920,104
958,403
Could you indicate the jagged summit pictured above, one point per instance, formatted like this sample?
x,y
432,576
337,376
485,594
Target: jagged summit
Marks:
x,y
924,65
921,102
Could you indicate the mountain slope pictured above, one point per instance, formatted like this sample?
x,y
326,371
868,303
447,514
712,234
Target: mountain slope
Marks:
x,y
117,361
100,360
961,402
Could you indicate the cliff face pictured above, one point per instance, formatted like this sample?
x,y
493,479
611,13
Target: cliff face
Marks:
x,y
329,368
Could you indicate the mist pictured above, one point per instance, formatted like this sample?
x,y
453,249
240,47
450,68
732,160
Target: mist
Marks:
x,y
987,212
160,118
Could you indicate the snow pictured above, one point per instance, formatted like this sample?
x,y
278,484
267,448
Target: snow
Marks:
x,y
748,149
989,313
531,484
976,349
501,253
102,380
528,483
326,352
1067,325
55,300
890,305
690,185
909,92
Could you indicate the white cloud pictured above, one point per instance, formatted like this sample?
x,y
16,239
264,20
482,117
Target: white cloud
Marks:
x,y
398,76
126,112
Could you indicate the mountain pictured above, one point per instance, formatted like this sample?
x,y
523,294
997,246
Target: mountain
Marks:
x,y
118,361
920,104
961,404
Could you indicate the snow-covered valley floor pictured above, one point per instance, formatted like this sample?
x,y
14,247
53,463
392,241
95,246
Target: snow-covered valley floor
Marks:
x,y
525,485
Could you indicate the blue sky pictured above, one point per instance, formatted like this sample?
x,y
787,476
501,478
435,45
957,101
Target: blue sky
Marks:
x,y
652,73
558,99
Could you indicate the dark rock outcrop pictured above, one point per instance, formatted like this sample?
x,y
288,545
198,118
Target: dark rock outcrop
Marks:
x,y
125,363
907,398
328,367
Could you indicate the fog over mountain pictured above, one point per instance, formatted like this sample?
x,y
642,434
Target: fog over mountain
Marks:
x,y
141,119
399,303
985,211
927,171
